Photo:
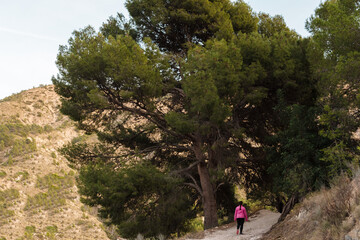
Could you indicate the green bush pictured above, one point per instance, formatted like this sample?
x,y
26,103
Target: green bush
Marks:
x,y
22,146
14,130
54,180
49,200
37,105
4,212
79,139
2,174
138,196
24,175
2,145
9,194
51,231
29,232
55,195
6,199
48,128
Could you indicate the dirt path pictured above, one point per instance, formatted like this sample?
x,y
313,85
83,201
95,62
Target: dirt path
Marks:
x,y
259,224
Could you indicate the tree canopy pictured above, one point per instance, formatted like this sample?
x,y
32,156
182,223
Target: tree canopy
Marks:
x,y
335,58
176,25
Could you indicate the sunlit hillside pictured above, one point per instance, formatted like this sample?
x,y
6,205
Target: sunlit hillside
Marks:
x,y
38,194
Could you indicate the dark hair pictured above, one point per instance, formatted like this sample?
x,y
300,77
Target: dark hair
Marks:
x,y
240,203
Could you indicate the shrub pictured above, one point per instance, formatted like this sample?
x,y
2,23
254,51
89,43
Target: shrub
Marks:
x,y
13,130
24,175
2,145
37,105
138,196
9,194
10,161
48,128
337,203
79,139
4,212
49,200
22,146
2,174
6,198
54,180
29,232
55,195
51,231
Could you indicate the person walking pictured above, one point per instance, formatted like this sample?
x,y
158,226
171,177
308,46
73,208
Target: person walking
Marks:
x,y
240,216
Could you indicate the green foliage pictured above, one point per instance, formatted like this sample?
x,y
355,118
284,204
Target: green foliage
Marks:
x,y
196,225
173,24
53,180
195,99
9,194
6,199
79,139
2,174
333,27
227,203
4,212
270,26
50,200
51,231
24,176
22,146
138,196
10,161
180,123
119,59
2,145
118,26
55,194
15,135
29,232
336,60
294,154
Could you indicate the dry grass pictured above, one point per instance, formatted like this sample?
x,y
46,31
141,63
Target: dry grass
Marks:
x,y
38,198
328,214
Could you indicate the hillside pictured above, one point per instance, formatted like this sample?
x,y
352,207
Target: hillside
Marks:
x,y
329,214
38,195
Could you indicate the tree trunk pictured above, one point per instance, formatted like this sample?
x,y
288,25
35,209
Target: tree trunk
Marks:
x,y
289,206
208,197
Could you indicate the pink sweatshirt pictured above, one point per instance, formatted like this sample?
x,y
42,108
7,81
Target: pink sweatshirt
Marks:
x,y
240,213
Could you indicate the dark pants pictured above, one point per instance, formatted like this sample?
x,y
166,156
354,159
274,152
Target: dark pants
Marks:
x,y
240,223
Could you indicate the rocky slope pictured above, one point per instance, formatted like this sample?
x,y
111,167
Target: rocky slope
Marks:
x,y
38,195
328,214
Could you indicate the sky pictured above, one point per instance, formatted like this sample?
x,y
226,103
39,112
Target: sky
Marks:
x,y
32,31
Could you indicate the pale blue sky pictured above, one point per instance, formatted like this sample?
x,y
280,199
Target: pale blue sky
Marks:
x,y
31,32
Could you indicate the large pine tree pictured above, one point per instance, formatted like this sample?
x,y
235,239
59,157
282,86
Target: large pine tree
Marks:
x,y
195,97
